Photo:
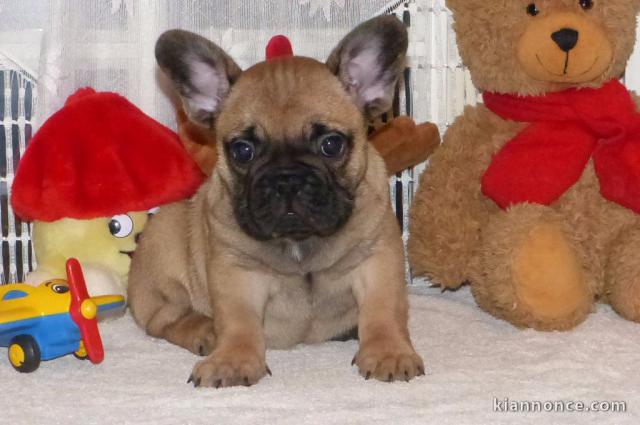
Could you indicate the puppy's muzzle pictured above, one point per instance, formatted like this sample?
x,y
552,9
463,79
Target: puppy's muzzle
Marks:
x,y
296,202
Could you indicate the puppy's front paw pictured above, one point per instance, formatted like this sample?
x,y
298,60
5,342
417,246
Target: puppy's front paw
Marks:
x,y
387,361
226,368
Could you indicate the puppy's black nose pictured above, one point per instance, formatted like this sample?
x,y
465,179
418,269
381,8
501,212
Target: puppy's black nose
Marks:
x,y
288,182
566,39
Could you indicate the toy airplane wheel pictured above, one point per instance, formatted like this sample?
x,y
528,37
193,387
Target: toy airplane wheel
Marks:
x,y
81,353
24,353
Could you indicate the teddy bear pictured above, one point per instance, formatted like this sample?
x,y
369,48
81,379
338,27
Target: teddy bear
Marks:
x,y
401,142
533,197
88,181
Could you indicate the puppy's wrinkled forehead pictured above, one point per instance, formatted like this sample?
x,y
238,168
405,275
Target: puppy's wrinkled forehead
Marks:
x,y
287,96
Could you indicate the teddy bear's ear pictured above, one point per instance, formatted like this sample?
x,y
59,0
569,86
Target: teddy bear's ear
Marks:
x,y
453,5
471,6
369,61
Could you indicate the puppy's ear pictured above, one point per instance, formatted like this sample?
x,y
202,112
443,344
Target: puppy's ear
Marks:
x,y
201,72
369,61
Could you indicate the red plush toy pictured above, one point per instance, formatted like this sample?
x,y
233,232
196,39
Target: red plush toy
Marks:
x,y
87,180
98,156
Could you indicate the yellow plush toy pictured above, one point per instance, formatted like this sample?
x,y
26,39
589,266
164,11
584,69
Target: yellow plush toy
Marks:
x,y
88,180
104,244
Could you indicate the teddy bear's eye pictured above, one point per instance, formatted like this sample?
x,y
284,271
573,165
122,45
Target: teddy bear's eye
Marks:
x,y
533,10
586,4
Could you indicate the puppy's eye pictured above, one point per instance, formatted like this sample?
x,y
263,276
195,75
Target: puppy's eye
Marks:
x,y
586,4
121,225
533,10
332,145
242,151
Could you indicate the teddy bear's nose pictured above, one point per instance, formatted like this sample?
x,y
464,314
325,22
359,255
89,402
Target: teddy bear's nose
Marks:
x,y
566,39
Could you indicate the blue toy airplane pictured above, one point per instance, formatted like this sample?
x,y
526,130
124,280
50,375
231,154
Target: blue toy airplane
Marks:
x,y
51,320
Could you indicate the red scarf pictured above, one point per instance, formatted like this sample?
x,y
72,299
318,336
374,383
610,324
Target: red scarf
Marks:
x,y
566,130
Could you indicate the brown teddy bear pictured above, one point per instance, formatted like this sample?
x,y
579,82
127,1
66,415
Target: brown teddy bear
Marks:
x,y
534,196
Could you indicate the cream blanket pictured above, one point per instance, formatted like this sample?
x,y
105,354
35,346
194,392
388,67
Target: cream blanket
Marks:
x,y
471,359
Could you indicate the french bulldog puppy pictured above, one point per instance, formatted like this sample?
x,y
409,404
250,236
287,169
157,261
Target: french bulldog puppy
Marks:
x,y
292,239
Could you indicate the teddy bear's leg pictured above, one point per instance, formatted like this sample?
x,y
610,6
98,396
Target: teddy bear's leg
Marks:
x,y
530,272
623,276
444,226
448,209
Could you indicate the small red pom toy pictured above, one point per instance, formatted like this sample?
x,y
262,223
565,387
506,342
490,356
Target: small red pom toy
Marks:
x,y
279,46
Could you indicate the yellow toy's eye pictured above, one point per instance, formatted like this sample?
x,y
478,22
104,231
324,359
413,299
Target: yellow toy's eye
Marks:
x,y
59,289
121,225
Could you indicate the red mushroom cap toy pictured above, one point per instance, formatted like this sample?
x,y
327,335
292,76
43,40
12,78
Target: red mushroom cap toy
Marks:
x,y
99,156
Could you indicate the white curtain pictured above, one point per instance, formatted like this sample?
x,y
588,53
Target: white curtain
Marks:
x,y
108,44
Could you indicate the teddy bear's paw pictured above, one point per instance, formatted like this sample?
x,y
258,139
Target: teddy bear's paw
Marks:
x,y
548,279
388,362
624,297
627,307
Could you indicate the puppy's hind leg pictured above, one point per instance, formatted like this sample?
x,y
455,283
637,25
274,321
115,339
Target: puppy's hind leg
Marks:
x,y
167,312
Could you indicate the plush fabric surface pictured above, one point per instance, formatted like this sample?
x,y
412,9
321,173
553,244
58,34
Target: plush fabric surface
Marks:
x,y
470,357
